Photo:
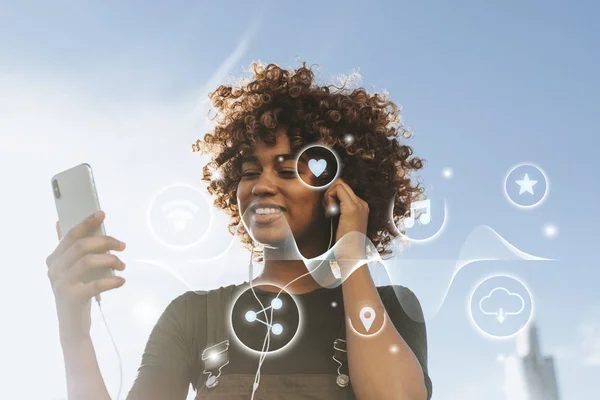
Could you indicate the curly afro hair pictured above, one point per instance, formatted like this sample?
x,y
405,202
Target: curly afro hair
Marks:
x,y
364,130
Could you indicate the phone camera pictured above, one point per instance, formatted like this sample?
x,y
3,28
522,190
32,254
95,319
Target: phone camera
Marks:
x,y
56,188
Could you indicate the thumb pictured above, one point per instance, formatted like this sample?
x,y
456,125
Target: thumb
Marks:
x,y
58,232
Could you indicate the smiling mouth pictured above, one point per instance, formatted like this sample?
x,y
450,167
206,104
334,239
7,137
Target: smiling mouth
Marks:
x,y
265,216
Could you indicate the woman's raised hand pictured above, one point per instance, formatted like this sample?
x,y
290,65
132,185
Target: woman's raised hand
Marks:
x,y
74,271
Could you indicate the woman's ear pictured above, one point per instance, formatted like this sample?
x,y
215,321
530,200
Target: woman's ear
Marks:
x,y
331,210
324,204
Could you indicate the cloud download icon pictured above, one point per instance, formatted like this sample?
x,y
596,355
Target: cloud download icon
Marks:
x,y
501,303
501,306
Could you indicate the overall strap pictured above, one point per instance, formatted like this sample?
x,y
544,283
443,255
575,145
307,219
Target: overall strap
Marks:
x,y
215,355
342,330
217,307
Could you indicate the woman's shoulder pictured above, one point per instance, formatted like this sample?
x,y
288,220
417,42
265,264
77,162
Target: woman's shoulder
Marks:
x,y
398,291
199,297
196,297
189,310
393,296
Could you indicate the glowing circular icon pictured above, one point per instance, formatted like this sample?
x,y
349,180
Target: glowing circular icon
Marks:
x,y
252,316
317,166
251,322
422,223
526,185
179,216
500,306
366,322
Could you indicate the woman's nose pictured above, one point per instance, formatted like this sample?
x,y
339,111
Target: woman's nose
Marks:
x,y
265,184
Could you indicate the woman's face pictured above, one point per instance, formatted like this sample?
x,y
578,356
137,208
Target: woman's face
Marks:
x,y
269,177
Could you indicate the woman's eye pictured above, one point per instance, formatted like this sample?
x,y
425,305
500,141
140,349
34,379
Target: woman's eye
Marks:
x,y
288,173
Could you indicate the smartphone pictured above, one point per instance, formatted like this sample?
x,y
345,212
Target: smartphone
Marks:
x,y
76,198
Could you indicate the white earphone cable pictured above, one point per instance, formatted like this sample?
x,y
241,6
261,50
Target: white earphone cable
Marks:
x,y
116,349
267,340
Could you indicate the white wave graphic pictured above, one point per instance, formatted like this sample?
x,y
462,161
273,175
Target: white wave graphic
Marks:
x,y
431,279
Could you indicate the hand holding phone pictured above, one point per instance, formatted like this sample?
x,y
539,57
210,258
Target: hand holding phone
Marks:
x,y
81,266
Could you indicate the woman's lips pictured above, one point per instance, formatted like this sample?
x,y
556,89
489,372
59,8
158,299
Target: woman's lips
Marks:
x,y
264,219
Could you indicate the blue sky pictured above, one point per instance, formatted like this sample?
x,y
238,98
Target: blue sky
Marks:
x,y
484,86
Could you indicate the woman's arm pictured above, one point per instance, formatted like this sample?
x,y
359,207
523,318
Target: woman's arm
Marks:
x,y
382,366
84,380
164,373
76,255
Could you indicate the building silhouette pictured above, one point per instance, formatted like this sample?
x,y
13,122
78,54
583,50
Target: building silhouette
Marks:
x,y
529,375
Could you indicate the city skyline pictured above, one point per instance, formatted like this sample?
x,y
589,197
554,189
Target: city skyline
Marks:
x,y
530,375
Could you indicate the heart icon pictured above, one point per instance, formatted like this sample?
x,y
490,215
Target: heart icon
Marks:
x,y
317,167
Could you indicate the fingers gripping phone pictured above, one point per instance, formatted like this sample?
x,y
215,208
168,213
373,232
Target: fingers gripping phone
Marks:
x,y
76,198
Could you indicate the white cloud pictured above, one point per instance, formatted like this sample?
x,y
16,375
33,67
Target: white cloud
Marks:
x,y
135,144
584,348
39,116
485,386
221,75
108,103
589,333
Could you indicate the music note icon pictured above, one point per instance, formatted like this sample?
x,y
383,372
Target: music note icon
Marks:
x,y
424,217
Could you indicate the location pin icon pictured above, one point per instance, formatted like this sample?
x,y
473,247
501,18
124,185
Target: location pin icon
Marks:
x,y
367,316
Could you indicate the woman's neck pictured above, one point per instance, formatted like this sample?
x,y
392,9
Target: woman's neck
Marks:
x,y
285,265
276,275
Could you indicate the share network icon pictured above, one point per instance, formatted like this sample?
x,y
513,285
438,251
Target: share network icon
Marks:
x,y
276,303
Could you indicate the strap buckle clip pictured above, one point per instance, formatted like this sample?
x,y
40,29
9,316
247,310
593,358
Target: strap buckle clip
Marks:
x,y
213,359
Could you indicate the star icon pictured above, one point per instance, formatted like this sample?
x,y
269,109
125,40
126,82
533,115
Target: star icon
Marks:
x,y
526,185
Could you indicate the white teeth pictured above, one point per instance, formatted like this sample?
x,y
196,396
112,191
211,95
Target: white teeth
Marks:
x,y
267,210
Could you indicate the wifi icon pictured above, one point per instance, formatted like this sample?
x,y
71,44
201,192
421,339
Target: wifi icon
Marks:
x,y
179,216
179,213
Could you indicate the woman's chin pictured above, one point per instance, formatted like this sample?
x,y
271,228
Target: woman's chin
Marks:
x,y
269,237
270,234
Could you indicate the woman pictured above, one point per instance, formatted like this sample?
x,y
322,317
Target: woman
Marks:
x,y
330,334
